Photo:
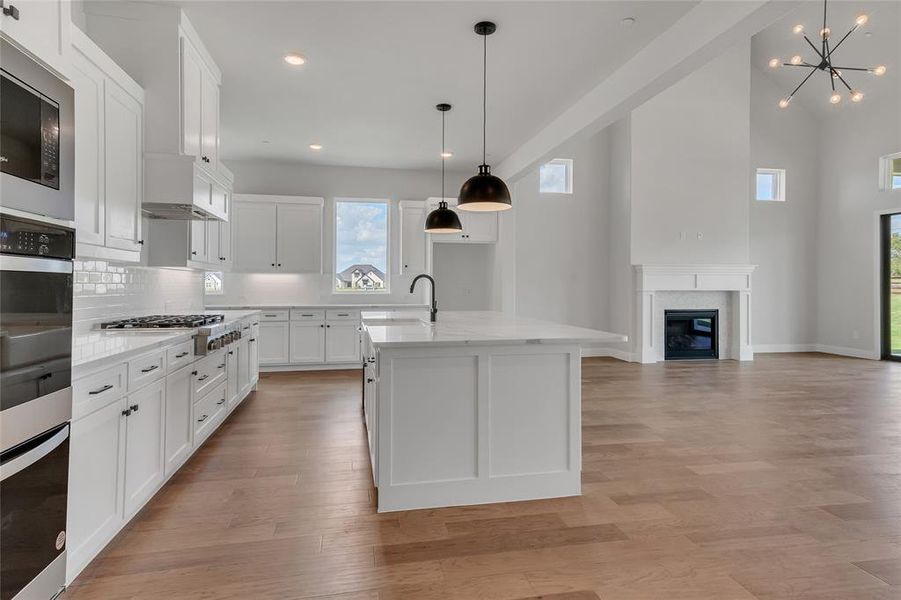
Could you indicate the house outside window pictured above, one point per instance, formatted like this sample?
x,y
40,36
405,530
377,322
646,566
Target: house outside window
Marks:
x,y
361,245
212,283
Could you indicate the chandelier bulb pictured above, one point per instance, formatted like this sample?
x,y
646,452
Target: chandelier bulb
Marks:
x,y
835,98
796,59
784,102
879,71
825,32
774,63
862,20
798,29
856,96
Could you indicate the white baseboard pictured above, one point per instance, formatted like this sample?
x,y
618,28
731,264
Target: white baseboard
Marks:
x,y
771,348
285,368
592,352
852,352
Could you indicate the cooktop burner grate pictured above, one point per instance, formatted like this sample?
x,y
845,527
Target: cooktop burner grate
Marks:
x,y
164,322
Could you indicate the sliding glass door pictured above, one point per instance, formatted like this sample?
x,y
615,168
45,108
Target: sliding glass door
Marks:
x,y
891,287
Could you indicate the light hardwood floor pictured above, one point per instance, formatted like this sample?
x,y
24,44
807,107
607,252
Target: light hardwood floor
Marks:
x,y
779,478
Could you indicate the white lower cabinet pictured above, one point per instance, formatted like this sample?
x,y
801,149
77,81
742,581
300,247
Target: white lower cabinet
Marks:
x,y
273,343
178,418
96,464
342,343
243,351
307,342
253,355
144,440
208,413
231,383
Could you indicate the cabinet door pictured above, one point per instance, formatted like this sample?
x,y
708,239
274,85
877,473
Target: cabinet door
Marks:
x,y
253,355
254,231
299,238
144,440
412,239
123,175
96,464
209,120
191,77
38,27
231,373
480,226
308,343
219,201
199,245
342,342
178,418
88,82
273,343
243,367
225,251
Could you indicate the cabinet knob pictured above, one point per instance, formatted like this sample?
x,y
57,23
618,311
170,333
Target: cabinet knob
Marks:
x,y
369,380
141,242
134,408
10,11
193,372
279,264
193,252
126,412
273,264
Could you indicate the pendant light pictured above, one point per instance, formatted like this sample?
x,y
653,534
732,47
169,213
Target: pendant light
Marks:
x,y
443,219
484,192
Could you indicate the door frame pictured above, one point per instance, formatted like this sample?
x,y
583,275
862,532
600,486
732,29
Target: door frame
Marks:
x,y
885,282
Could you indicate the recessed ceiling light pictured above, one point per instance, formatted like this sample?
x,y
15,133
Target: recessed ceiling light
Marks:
x,y
447,155
295,59
315,146
628,21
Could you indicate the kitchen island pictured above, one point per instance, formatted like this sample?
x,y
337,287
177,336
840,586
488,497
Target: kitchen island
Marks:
x,y
478,407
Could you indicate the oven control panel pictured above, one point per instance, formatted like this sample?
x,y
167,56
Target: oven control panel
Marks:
x,y
33,238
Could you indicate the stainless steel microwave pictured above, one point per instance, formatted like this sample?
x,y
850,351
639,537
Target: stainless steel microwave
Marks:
x,y
37,137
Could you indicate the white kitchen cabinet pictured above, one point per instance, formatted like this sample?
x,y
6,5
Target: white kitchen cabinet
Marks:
x,y
243,352
209,120
277,234
253,354
342,341
199,241
231,372
273,343
225,236
478,227
191,84
96,472
307,342
109,167
178,419
144,441
412,237
42,28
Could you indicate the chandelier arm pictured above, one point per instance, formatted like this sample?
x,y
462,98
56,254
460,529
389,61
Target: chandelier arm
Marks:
x,y
809,75
851,69
847,35
824,27
803,65
807,39
842,79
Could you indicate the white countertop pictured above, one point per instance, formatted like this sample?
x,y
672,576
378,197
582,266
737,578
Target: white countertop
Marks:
x,y
370,306
475,327
92,348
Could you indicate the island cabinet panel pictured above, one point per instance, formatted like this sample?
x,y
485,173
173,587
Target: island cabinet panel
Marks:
x,y
342,341
307,342
435,433
144,451
178,418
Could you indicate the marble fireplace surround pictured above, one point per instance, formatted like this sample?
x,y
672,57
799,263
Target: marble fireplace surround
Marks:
x,y
696,287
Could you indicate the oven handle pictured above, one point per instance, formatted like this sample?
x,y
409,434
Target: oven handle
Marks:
x,y
30,264
33,455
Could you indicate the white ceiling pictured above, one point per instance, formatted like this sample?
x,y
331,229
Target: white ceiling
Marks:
x,y
375,71
880,47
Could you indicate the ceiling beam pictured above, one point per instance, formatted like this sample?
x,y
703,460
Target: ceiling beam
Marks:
x,y
692,41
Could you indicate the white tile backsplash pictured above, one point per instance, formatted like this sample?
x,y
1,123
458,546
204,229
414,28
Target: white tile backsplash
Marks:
x,y
106,290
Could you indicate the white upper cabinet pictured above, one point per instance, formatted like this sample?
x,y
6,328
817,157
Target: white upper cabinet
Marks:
x,y
40,27
191,77
209,121
109,164
478,227
412,237
277,234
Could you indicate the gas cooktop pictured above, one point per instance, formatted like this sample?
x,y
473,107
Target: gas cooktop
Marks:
x,y
165,322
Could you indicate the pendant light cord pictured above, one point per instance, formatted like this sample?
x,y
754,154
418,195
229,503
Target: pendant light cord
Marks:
x,y
484,97
443,160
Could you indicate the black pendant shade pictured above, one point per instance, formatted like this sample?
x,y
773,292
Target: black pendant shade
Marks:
x,y
484,192
443,219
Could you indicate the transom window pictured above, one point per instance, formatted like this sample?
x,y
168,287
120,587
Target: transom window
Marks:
x,y
361,246
771,185
556,177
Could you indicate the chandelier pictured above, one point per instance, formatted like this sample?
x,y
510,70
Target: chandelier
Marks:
x,y
823,62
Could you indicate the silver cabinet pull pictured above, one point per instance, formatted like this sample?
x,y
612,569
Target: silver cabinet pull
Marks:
x,y
203,378
181,355
105,388
202,419
222,366
149,369
221,401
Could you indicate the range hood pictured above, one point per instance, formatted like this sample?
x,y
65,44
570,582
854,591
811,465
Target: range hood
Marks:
x,y
177,188
176,212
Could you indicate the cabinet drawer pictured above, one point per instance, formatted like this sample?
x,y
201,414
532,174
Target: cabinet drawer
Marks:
x,y
179,356
274,315
146,369
208,373
299,314
342,315
208,412
98,390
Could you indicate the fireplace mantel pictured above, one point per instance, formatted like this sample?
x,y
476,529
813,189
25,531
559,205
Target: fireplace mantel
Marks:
x,y
651,279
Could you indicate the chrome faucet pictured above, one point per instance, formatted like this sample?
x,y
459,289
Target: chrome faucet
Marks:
x,y
433,313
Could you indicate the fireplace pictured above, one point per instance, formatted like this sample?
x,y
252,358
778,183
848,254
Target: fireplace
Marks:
x,y
691,334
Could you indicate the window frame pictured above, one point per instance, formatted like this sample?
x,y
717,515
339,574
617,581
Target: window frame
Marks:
x,y
389,209
221,283
568,163
886,171
779,185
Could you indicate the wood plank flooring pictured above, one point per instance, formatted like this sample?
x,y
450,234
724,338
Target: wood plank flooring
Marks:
x,y
779,478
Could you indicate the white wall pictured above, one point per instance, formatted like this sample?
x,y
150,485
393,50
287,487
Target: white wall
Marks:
x,y
463,275
783,234
621,300
690,156
329,182
561,252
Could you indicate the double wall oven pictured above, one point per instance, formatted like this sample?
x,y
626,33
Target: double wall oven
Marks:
x,y
36,263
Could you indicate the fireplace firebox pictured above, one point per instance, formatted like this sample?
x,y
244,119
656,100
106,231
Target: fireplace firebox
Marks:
x,y
691,334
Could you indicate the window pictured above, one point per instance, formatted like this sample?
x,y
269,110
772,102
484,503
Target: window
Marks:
x,y
556,177
890,172
896,174
361,246
212,283
771,185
